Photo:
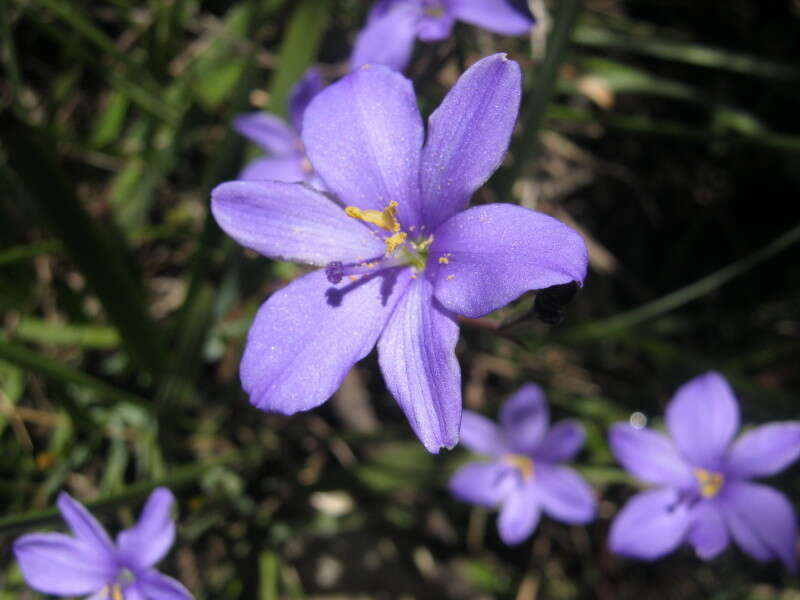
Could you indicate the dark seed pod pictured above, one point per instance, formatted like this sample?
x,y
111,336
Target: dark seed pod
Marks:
x,y
550,302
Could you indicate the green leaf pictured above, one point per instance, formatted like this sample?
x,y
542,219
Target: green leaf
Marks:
x,y
104,260
298,49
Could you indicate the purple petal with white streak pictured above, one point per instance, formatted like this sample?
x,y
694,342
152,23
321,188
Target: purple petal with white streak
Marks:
x,y
468,135
481,435
416,353
563,494
306,337
702,418
650,525
649,456
761,521
150,539
506,17
54,563
292,222
269,132
765,450
363,135
563,441
497,252
524,418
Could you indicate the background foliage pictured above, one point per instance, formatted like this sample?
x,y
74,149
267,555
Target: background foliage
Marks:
x,y
667,132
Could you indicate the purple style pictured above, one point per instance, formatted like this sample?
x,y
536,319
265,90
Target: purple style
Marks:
x,y
524,478
280,140
705,497
393,25
401,253
88,562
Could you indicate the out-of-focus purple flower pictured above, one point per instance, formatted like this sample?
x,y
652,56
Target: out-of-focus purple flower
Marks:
x,y
402,254
88,562
704,495
286,160
393,25
524,478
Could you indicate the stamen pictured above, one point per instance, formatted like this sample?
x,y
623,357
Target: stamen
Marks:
x,y
336,271
392,242
385,219
710,482
521,463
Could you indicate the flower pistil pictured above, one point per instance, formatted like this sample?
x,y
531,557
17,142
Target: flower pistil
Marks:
x,y
521,463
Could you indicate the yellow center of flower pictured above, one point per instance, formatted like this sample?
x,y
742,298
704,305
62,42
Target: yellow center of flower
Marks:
x,y
710,482
113,592
385,219
521,463
435,11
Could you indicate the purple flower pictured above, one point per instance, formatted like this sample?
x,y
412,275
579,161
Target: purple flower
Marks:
x,y
402,254
88,562
524,478
393,25
287,159
706,497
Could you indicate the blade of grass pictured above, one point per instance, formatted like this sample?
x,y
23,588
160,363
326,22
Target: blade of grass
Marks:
x,y
543,83
28,359
298,49
104,261
97,337
679,51
178,478
684,295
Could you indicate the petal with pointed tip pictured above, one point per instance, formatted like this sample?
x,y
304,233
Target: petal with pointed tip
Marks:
x,y
702,418
765,450
649,456
563,494
388,38
524,418
417,356
496,252
363,135
150,539
468,136
707,532
519,515
290,221
561,443
506,17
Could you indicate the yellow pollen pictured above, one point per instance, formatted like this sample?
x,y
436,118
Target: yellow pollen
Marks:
x,y
385,219
113,591
710,482
450,277
435,11
392,242
522,463
353,277
443,260
307,168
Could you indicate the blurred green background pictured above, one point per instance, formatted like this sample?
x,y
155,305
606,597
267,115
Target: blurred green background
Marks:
x,y
667,132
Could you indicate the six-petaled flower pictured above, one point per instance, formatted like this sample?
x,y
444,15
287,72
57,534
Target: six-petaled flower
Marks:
x,y
402,253
523,476
393,25
704,495
88,562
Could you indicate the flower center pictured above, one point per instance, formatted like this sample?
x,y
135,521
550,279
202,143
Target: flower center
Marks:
x,y
523,464
435,10
113,592
400,251
710,482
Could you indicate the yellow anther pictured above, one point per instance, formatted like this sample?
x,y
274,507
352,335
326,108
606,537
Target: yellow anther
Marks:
x,y
710,482
521,463
306,165
451,277
443,260
113,591
435,11
392,242
385,219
